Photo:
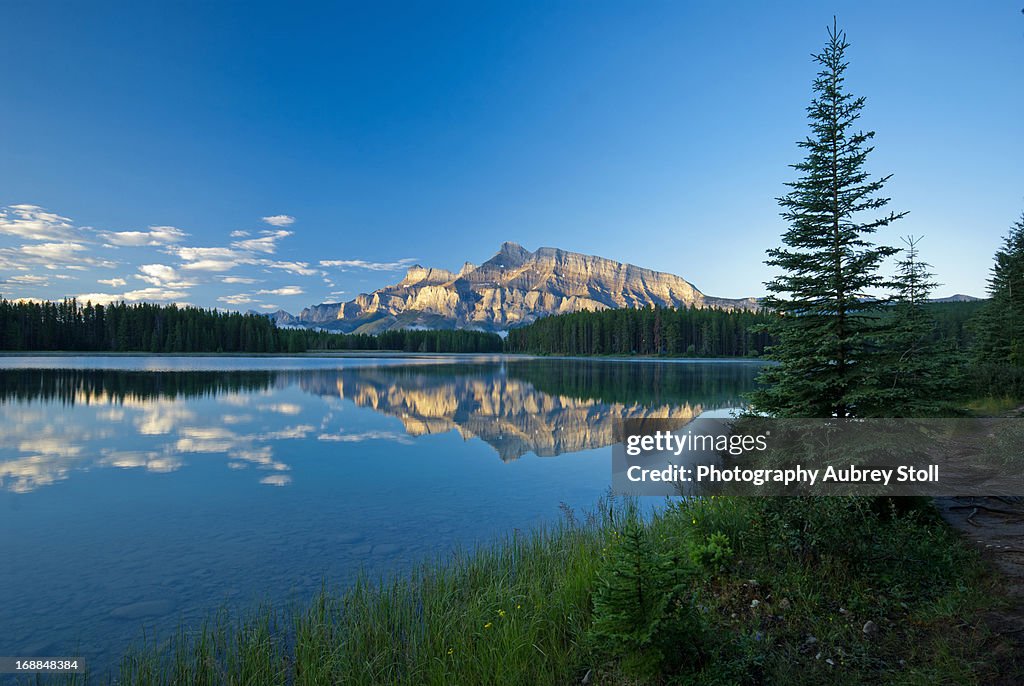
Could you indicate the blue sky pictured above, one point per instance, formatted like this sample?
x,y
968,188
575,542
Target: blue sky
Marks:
x,y
256,156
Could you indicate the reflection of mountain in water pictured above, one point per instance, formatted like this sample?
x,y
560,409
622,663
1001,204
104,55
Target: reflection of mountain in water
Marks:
x,y
546,407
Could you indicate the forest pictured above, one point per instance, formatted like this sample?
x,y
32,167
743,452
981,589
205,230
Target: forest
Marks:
x,y
70,326
693,332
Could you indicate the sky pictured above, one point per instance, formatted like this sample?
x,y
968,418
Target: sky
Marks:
x,y
257,156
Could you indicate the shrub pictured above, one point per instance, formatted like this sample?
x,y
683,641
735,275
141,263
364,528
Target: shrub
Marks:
x,y
643,614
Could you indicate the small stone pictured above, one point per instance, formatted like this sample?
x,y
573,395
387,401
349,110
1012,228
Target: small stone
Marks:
x,y
870,628
818,656
830,663
811,640
843,611
755,603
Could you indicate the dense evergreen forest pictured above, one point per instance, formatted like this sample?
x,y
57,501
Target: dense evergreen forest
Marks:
x,y
70,326
708,332
119,327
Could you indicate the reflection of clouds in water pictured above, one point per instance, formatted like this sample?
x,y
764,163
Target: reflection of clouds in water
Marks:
x,y
262,457
234,399
160,463
366,436
49,447
30,473
161,418
210,439
236,418
300,431
276,480
283,408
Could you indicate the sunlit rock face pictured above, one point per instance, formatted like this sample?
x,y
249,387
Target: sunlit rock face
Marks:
x,y
514,287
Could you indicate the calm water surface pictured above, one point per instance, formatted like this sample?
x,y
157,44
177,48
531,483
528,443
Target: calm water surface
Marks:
x,y
140,493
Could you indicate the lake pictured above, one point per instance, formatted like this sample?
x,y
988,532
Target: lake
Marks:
x,y
144,493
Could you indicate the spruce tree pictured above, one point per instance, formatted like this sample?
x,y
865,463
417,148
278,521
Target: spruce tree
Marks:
x,y
826,297
1000,330
916,374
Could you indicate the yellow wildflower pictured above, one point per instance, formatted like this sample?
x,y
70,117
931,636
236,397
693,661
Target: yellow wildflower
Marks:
x,y
487,625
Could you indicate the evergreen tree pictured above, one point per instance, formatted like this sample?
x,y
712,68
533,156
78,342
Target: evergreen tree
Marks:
x,y
641,614
916,377
1000,330
826,293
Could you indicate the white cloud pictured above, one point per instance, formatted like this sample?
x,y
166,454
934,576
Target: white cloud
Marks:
x,y
284,290
52,256
155,294
373,266
237,279
239,234
162,275
99,298
156,236
269,306
29,279
36,224
160,294
301,268
113,283
266,243
237,299
192,254
210,265
210,259
60,252
279,220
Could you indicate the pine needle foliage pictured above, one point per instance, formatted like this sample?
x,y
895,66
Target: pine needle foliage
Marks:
x,y
827,291
1000,334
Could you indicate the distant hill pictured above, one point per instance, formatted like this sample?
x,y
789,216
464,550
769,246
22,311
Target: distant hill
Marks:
x,y
514,287
958,298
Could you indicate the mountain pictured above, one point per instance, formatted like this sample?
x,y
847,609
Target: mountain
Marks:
x,y
514,287
958,298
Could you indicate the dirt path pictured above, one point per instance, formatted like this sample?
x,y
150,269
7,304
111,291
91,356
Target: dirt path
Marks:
x,y
995,526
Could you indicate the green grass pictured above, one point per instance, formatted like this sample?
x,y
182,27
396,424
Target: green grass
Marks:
x,y
993,406
521,611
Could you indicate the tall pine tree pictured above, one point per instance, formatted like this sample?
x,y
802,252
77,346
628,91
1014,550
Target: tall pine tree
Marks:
x,y
1000,332
827,292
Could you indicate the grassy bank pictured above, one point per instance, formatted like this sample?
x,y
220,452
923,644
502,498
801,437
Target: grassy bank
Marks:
x,y
721,591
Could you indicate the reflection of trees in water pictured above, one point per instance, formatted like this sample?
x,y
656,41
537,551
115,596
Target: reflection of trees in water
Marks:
x,y
713,385
71,386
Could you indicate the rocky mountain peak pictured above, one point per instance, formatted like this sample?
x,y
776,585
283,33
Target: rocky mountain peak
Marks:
x,y
512,288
